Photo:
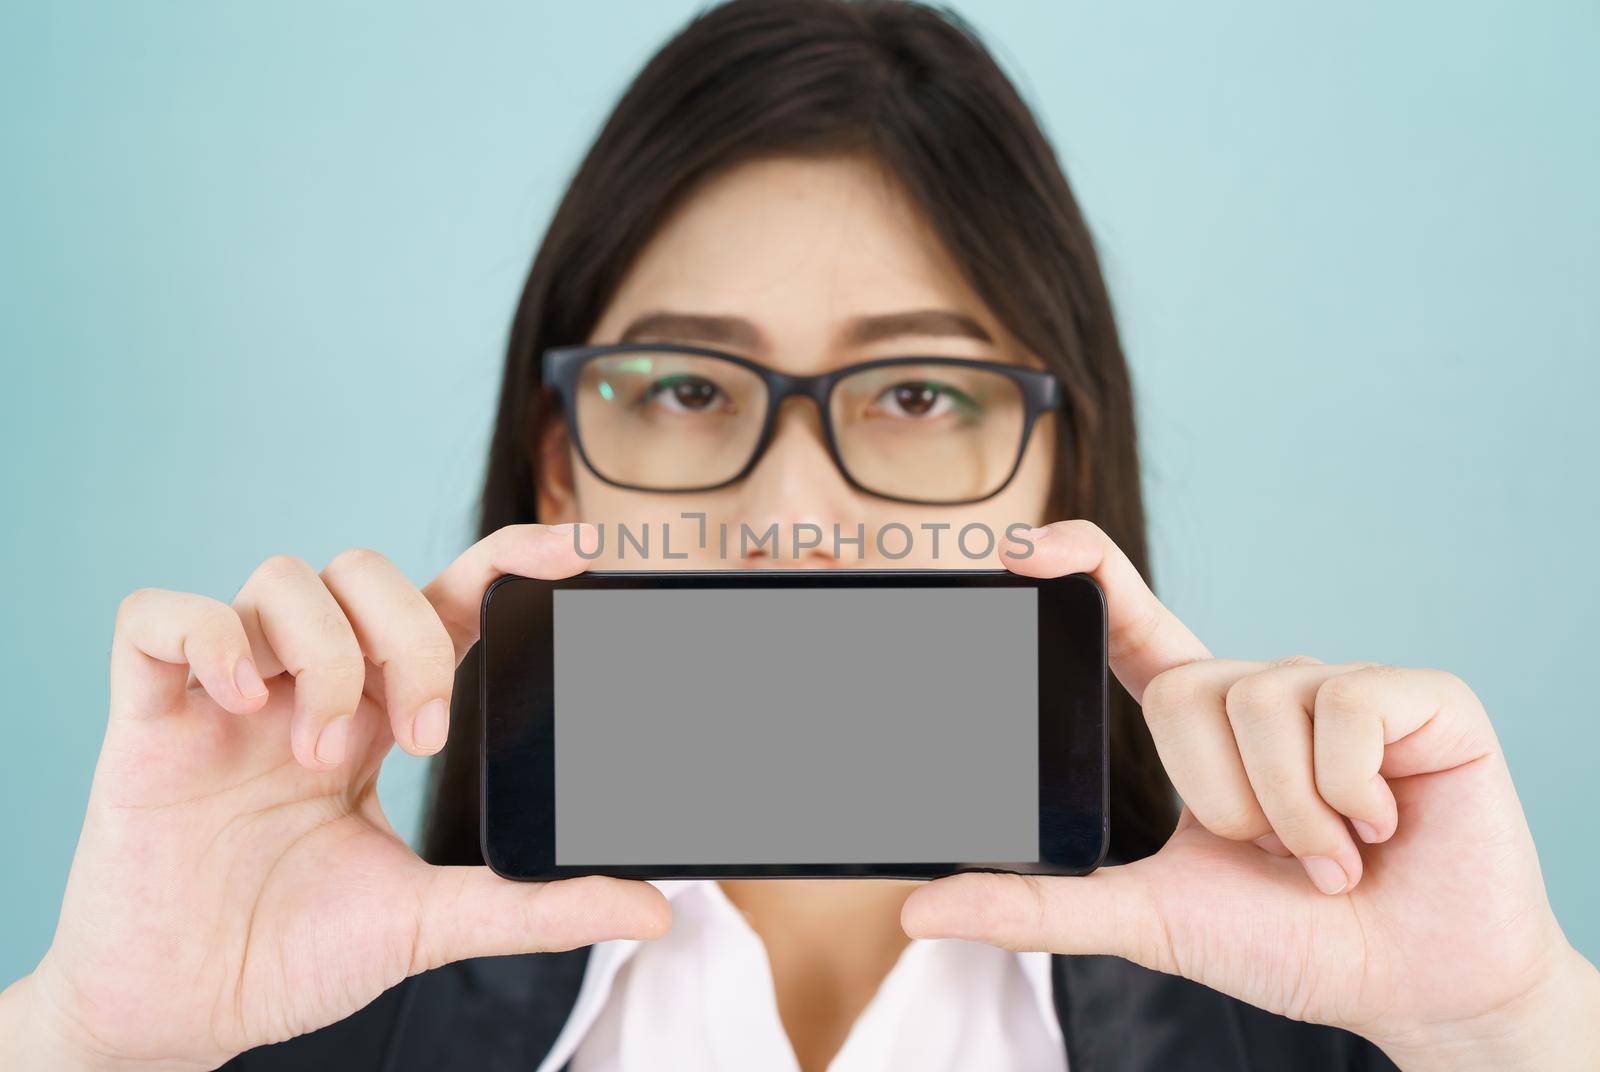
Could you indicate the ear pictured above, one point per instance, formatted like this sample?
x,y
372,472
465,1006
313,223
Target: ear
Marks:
x,y
557,494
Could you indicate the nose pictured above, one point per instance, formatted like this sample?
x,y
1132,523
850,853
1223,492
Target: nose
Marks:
x,y
796,487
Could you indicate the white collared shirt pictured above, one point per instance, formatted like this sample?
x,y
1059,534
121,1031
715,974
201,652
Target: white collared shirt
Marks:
x,y
701,997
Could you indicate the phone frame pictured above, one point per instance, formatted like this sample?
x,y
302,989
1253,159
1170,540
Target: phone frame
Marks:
x,y
517,826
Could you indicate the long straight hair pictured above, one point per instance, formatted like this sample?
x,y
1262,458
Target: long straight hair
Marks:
x,y
913,87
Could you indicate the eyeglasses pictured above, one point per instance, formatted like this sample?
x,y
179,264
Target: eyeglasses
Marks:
x,y
927,430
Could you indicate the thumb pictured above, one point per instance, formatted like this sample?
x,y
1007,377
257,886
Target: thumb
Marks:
x,y
1109,912
472,912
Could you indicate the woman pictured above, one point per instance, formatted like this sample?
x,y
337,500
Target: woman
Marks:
x,y
807,184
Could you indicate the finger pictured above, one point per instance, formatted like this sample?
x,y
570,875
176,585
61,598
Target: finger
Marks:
x,y
540,551
1348,740
1388,722
1187,714
1271,718
266,659
161,636
1143,637
400,632
1110,912
472,912
310,637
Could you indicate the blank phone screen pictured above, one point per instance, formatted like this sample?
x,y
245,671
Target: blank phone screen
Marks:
x,y
751,726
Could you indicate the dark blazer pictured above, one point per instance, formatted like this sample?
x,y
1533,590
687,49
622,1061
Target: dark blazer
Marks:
x,y
502,1014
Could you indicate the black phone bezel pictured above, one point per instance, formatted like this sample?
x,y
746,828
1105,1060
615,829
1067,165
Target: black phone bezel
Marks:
x,y
517,751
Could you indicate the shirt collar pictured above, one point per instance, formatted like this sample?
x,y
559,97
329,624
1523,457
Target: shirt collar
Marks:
x,y
606,959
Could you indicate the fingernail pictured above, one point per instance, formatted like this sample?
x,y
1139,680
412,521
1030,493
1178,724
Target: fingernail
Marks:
x,y
431,725
247,679
1326,874
1272,843
334,740
1366,831
1032,536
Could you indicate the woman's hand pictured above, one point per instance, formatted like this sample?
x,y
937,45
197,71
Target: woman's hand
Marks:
x,y
1351,850
236,882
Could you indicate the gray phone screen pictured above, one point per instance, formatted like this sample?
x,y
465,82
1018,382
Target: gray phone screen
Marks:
x,y
761,726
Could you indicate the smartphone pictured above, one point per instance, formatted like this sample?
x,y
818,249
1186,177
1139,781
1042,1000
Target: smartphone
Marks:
x,y
793,723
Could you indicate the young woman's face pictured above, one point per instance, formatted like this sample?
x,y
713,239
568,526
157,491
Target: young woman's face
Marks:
x,y
784,261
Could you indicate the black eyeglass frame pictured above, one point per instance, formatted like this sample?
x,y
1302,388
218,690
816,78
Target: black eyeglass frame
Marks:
x,y
1041,393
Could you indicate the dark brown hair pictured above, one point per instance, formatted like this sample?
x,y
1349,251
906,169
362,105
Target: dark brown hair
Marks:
x,y
913,87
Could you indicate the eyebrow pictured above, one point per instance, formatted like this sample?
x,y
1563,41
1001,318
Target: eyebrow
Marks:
x,y
738,332
870,329
695,327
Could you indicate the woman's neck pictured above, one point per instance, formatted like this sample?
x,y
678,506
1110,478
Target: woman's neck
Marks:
x,y
830,944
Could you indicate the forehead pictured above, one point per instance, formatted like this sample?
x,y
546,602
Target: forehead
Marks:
x,y
797,244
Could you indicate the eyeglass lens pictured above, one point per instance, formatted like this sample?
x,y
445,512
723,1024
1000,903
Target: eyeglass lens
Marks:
x,y
930,432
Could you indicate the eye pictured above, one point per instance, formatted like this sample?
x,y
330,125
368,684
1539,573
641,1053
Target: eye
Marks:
x,y
922,400
684,394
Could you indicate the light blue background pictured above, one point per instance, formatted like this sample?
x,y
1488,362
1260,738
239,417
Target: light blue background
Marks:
x,y
257,263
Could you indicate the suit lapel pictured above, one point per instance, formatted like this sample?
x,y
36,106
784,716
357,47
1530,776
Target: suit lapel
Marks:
x,y
493,1013
1119,1017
